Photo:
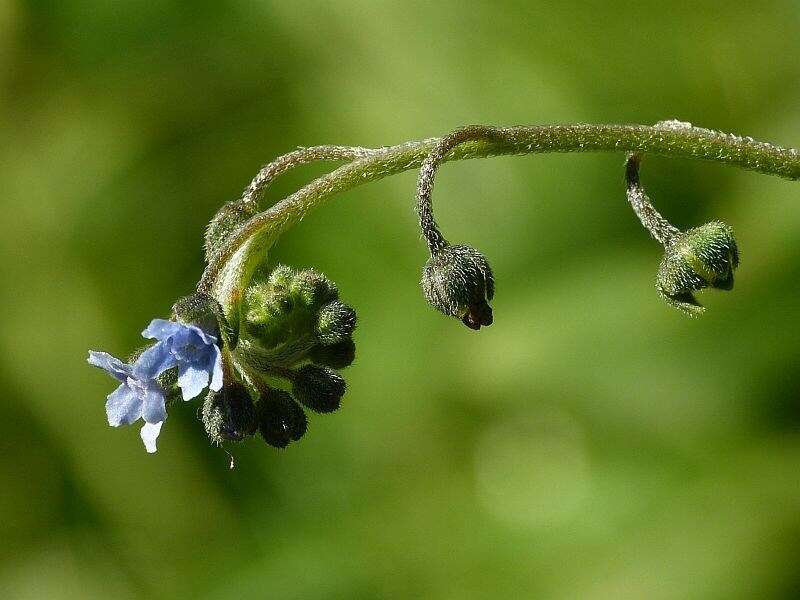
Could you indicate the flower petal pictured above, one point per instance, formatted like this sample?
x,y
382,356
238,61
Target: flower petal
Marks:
x,y
161,329
123,406
192,380
206,338
216,370
154,361
153,406
111,364
149,434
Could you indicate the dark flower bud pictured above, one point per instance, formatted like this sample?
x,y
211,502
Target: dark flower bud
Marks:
x,y
335,322
702,257
313,289
280,418
335,356
318,388
458,281
229,414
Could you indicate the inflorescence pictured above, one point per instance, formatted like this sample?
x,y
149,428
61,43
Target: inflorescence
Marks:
x,y
264,343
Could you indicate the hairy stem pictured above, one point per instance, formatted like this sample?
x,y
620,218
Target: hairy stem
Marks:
x,y
427,173
662,230
666,139
296,158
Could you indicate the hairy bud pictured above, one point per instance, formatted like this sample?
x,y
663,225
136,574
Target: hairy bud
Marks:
x,y
280,418
335,322
313,289
458,281
318,388
702,257
336,356
229,414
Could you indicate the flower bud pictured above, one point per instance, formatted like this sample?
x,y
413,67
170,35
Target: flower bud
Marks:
x,y
335,356
458,281
335,322
705,256
280,418
229,414
313,289
268,308
318,388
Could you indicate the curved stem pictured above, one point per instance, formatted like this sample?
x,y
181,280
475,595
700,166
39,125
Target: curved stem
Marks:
x,y
662,230
666,139
433,236
296,158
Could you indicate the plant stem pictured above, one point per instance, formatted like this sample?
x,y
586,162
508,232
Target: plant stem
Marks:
x,y
660,229
671,139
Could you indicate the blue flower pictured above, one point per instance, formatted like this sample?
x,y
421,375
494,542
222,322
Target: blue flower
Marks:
x,y
192,350
135,398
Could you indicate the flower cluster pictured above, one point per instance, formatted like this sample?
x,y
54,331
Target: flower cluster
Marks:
x,y
191,352
292,327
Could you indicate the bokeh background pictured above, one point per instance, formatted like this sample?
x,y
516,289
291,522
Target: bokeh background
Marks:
x,y
593,443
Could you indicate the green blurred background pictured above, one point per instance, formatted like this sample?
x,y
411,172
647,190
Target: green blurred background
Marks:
x,y
593,443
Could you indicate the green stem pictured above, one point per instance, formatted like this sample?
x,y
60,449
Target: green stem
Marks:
x,y
671,139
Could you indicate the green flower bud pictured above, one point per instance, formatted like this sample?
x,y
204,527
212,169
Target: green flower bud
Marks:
x,y
313,289
458,281
229,414
335,356
318,388
702,257
281,277
280,418
336,322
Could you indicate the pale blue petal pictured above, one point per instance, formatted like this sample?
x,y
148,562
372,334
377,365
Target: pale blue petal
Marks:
x,y
110,364
123,406
149,434
192,380
161,328
154,361
206,338
216,370
153,406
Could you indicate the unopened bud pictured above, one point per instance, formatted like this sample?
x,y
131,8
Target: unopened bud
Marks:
x,y
313,288
229,414
335,322
318,388
702,257
458,281
280,418
335,356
